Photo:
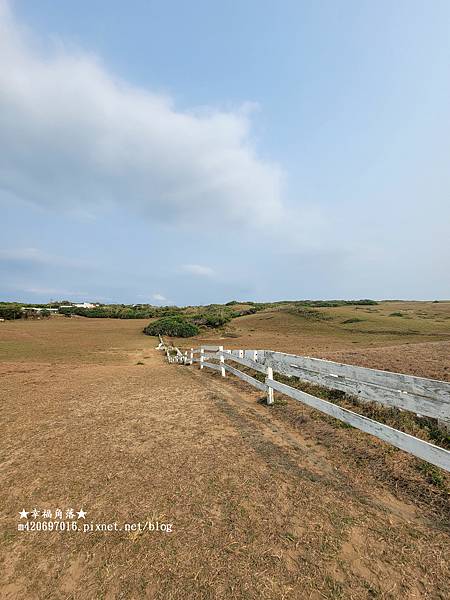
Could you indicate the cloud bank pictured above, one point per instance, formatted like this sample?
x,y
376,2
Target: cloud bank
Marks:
x,y
75,138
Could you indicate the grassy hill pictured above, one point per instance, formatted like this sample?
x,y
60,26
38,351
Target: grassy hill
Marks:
x,y
399,336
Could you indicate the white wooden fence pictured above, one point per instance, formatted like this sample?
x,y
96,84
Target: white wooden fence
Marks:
x,y
425,397
173,354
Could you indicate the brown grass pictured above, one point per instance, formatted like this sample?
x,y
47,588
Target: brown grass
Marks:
x,y
417,343
265,504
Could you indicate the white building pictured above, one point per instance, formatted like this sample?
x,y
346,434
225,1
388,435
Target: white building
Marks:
x,y
85,305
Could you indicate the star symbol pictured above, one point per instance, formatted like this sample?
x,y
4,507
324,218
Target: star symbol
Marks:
x,y
81,514
23,514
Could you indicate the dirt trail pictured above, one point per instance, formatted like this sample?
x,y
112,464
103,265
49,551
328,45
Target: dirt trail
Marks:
x,y
259,509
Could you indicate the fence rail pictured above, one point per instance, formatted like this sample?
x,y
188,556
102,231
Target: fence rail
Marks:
x,y
425,397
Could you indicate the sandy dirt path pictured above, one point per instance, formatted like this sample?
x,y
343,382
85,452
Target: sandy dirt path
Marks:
x,y
258,508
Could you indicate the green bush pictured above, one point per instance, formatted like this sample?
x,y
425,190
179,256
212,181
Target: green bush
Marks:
x,y
336,303
10,311
308,313
216,319
120,311
175,326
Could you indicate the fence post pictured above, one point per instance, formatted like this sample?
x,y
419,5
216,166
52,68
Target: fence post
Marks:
x,y
192,356
222,361
202,352
255,355
269,389
241,353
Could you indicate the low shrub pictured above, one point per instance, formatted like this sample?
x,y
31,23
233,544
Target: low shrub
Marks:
x,y
11,311
175,326
216,319
308,313
121,311
336,303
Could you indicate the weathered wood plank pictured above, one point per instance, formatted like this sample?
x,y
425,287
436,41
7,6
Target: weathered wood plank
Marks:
x,y
246,362
222,361
419,386
367,391
423,396
432,454
211,366
269,379
247,378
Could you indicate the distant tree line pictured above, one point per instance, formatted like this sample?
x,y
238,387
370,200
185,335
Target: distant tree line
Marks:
x,y
116,312
10,311
172,320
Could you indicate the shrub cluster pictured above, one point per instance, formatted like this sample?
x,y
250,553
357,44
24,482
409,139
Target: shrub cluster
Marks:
x,y
175,326
334,303
10,311
308,313
120,311
211,317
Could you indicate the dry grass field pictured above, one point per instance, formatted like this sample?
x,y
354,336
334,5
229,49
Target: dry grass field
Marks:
x,y
277,503
406,337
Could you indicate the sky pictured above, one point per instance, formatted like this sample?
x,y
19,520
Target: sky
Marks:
x,y
190,153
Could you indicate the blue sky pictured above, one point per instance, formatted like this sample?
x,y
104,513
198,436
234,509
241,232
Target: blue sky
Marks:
x,y
188,153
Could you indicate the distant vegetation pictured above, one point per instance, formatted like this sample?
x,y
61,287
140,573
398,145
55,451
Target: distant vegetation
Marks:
x,y
178,321
218,315
187,322
10,311
174,326
213,315
332,303
121,311
307,313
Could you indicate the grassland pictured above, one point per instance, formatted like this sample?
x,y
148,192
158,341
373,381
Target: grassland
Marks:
x,y
71,341
265,503
407,337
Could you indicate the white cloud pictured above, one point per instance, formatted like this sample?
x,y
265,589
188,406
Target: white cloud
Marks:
x,y
161,299
75,138
35,256
55,292
200,270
